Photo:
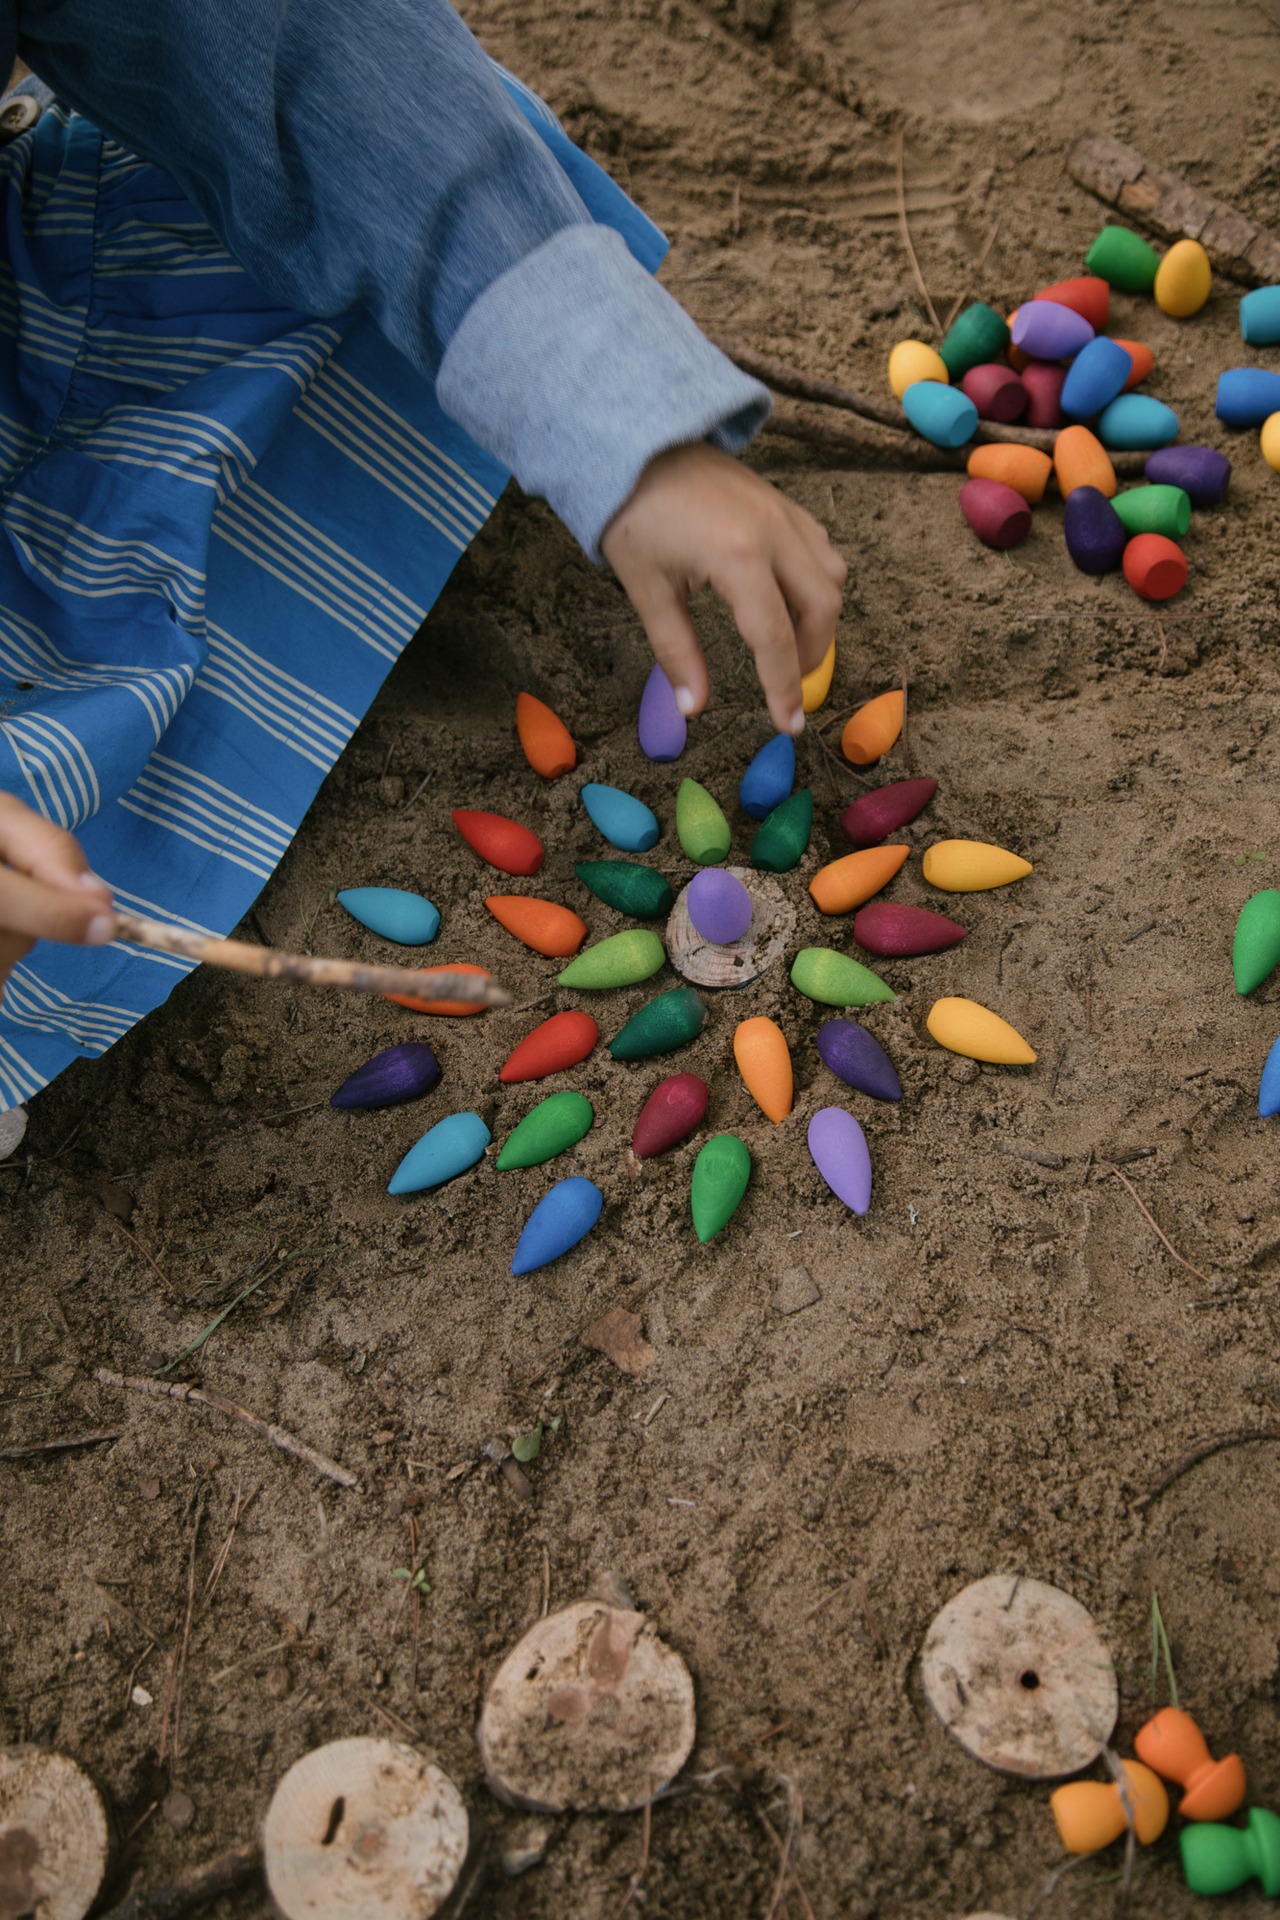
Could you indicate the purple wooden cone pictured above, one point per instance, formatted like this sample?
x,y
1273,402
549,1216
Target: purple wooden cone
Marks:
x,y
897,931
719,906
661,726
874,816
1202,472
398,1073
839,1149
1049,332
856,1057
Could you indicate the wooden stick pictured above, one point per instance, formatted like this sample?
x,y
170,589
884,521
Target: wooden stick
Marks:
x,y
1206,1452
790,424
209,1397
305,969
905,225
1151,1219
1172,207
63,1444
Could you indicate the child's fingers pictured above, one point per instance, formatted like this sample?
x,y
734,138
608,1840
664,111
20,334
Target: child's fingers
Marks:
x,y
673,637
760,613
38,912
12,949
35,846
813,594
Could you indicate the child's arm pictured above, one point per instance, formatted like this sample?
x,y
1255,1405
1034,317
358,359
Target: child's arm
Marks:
x,y
46,889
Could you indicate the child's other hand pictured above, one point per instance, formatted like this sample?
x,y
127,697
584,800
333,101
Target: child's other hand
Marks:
x,y
699,518
46,889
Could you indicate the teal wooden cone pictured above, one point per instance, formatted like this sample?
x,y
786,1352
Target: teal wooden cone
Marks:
x,y
619,961
837,981
661,1025
1255,951
557,1122
780,840
634,890
702,828
720,1175
1218,1859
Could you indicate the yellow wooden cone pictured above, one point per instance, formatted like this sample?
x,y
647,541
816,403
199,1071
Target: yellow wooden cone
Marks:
x,y
873,729
764,1061
962,1026
971,866
815,686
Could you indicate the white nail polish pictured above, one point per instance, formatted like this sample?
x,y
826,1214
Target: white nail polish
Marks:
x,y
797,721
100,929
684,700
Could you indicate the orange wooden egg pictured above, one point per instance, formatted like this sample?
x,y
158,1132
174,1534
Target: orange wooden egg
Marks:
x,y
1025,469
845,883
764,1061
458,1007
547,742
872,730
1081,460
541,924
1143,361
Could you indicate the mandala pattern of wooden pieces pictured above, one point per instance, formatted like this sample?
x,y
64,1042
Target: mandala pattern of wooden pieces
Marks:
x,y
1255,949
962,1026
834,980
1048,331
1090,1814
770,777
1081,460
972,866
544,925
1269,1086
561,1218
637,891
899,932
1154,509
503,843
444,1151
625,822
546,741
403,917
1094,532
1135,421
875,815
942,415
563,1041
996,392
977,334
1095,378
676,1106
661,728
1184,279
619,961
1143,362
669,1021
1154,567
1218,1859
720,1175
1203,473
839,1150
1247,396
873,728
845,883
780,840
764,1061
455,1009
1025,469
997,514
554,1125
1044,384
815,686
707,964
701,827
719,906
856,1057
1172,1745
1087,294
1124,259
396,1074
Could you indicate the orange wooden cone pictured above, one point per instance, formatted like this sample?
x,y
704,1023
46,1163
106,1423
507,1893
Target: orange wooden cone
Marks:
x,y
1090,1815
872,730
764,1061
844,884
547,742
541,924
1173,1744
1081,460
1025,469
458,1007
1143,361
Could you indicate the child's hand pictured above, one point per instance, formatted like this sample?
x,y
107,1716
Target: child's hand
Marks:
x,y
699,518
46,889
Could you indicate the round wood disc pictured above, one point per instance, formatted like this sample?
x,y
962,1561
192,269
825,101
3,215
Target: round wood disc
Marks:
x,y
364,1829
55,1842
590,1710
13,1127
1017,1672
773,921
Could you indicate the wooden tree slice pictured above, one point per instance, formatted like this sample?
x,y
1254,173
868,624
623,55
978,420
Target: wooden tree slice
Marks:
x,y
590,1710
1017,1672
55,1841
364,1829
773,921
13,1127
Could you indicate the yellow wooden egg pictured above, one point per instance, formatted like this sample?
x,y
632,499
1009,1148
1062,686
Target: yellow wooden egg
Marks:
x,y
1183,279
971,866
962,1026
1271,441
815,686
912,360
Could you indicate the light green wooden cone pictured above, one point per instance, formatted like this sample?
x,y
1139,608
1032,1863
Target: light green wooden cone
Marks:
x,y
836,980
557,1122
619,961
701,826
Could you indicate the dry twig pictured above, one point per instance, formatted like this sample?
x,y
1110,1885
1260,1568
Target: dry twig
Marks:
x,y
63,1444
209,1397
1205,1452
900,169
1137,1201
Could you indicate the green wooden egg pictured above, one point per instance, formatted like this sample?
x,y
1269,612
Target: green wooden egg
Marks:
x,y
702,828
781,838
626,885
1154,509
720,1175
661,1025
557,1122
836,980
1256,949
978,336
619,961
1123,259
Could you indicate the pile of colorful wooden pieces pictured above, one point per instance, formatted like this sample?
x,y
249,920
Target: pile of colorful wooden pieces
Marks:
x,y
721,909
1250,396
1255,955
1051,365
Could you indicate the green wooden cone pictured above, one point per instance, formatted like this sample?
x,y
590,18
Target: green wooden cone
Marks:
x,y
557,1122
1217,1859
1154,509
1255,951
661,1025
701,826
1123,260
836,980
782,836
720,1175
977,336
626,885
619,961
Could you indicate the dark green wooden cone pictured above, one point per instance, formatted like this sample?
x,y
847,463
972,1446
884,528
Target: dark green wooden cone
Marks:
x,y
1256,950
720,1175
781,838
557,1122
667,1022
978,336
634,890
1123,260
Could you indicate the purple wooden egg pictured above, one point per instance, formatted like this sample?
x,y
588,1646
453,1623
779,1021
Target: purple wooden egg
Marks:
x,y
839,1149
996,392
672,1111
856,1057
1044,386
1049,332
897,931
719,906
1202,472
1096,535
875,815
999,516
397,1074
661,727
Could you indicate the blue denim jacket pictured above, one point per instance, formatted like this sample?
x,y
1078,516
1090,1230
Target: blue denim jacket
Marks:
x,y
443,214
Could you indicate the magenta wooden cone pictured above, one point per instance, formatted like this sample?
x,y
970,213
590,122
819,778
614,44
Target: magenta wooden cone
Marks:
x,y
897,931
672,1111
839,1149
874,816
999,516
996,392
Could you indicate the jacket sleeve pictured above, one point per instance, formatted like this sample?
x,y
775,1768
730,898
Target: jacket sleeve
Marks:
x,y
366,152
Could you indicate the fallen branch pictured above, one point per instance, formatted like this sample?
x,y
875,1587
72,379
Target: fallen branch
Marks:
x,y
1209,1448
1173,208
789,424
62,1445
210,1397
223,1875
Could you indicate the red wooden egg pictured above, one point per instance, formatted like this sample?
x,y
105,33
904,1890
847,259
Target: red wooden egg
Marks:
x,y
996,392
1154,566
672,1111
1043,382
999,516
560,1042
898,931
874,816
504,843
1086,295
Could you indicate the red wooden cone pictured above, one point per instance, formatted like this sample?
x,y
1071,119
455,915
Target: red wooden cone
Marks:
x,y
560,1042
504,843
